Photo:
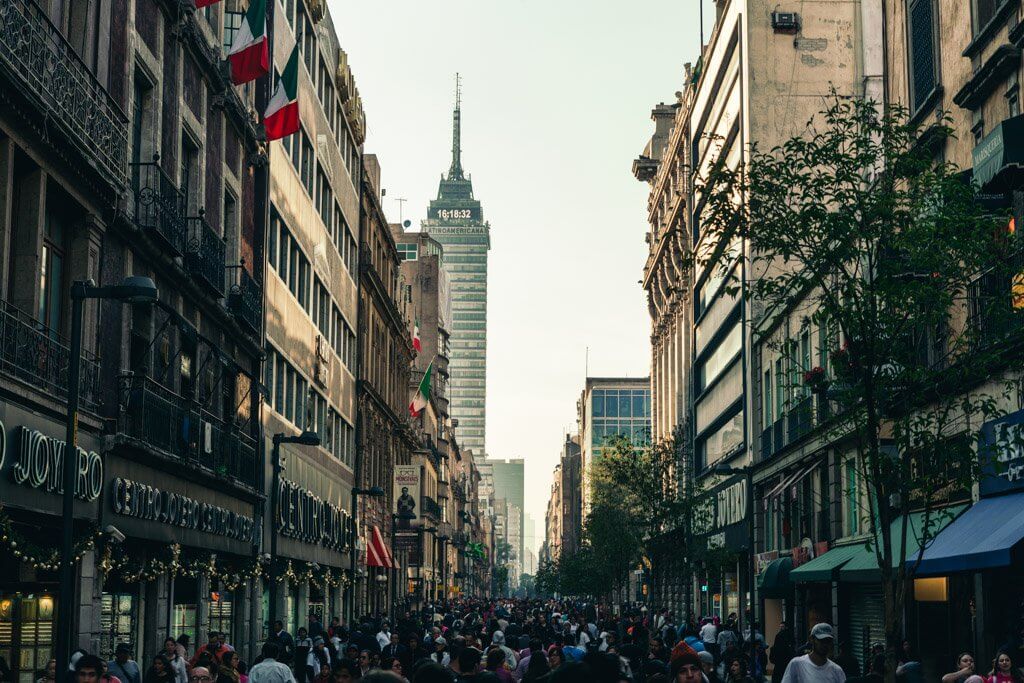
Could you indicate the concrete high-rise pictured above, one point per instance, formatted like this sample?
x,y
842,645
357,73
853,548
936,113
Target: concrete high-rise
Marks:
x,y
455,219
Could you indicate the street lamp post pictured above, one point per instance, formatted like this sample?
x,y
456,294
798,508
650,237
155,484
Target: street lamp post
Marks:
x,y
748,474
306,438
444,538
373,492
133,289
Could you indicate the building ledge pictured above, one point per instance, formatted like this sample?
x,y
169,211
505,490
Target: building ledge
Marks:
x,y
985,80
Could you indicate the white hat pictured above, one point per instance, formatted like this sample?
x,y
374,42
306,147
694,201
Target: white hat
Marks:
x,y
823,632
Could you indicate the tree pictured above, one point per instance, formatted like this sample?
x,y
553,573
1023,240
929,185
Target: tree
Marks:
x,y
640,494
860,229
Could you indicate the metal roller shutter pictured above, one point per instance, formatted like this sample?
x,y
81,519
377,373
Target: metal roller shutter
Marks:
x,y
865,621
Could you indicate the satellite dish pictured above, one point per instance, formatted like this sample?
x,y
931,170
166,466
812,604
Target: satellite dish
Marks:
x,y
407,223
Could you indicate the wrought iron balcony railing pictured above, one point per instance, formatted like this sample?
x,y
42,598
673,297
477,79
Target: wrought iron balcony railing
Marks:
x,y
159,205
34,54
158,417
39,357
226,450
430,508
163,420
204,255
800,418
246,300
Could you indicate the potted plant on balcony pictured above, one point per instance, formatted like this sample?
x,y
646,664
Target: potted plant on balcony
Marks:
x,y
817,380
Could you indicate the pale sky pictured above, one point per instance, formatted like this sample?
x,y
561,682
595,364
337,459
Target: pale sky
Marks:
x,y
556,104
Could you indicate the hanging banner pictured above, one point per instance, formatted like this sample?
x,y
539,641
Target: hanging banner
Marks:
x,y
407,496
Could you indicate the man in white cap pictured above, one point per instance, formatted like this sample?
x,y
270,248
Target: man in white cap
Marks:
x,y
816,667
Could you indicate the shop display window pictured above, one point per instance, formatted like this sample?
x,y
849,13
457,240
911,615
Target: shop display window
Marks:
x,y
222,613
117,622
186,601
26,633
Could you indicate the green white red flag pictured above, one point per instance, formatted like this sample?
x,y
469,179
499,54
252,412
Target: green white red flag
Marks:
x,y
416,343
282,115
422,397
250,52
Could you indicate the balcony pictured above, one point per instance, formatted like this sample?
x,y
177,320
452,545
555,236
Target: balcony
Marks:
x,y
767,443
162,420
159,206
35,56
39,357
995,303
430,508
443,489
204,256
800,419
246,301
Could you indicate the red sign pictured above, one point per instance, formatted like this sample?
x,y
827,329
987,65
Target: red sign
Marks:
x,y
801,556
820,548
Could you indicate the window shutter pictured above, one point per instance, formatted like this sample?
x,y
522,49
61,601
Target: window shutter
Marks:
x,y
922,51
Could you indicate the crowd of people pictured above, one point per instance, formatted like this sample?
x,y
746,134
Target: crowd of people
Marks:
x,y
519,641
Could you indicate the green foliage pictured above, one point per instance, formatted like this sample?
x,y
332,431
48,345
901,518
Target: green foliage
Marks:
x,y
860,229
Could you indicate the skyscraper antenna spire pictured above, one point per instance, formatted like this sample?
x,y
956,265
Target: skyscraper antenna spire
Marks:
x,y
455,172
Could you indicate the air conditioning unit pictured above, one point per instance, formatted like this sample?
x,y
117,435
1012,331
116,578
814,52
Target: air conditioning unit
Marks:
x,y
785,22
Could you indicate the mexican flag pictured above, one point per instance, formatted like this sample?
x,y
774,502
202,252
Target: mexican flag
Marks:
x,y
282,115
422,397
250,54
416,343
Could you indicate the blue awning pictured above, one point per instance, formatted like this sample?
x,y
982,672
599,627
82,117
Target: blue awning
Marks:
x,y
987,536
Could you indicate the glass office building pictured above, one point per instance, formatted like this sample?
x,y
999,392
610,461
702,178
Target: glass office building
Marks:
x,y
610,407
455,219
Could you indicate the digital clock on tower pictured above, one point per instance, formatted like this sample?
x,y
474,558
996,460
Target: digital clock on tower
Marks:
x,y
454,214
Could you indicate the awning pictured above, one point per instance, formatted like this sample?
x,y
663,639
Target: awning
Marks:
x,y
774,581
377,552
863,567
988,535
789,481
825,567
1002,148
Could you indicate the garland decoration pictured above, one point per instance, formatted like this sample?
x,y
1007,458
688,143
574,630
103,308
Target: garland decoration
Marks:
x,y
36,556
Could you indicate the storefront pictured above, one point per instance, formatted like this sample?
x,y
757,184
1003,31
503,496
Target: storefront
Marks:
x,y
843,585
31,458
721,583
974,569
314,538
189,560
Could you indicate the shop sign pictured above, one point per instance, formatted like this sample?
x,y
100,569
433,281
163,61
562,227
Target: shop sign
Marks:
x,y
820,548
304,516
801,555
37,461
148,503
409,542
732,505
762,560
1001,451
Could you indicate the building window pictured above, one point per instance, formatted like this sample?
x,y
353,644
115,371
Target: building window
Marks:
x,y
190,174
850,493
766,399
52,266
984,12
921,36
408,252
232,22
1013,95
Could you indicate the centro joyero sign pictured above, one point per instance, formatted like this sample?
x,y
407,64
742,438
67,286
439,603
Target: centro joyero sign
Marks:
x,y
37,461
148,503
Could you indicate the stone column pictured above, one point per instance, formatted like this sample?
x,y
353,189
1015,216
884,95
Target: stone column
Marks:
x,y
6,208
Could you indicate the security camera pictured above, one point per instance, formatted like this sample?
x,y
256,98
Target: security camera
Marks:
x,y
116,535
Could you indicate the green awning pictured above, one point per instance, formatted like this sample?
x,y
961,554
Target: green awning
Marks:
x,y
999,149
863,566
825,567
774,581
